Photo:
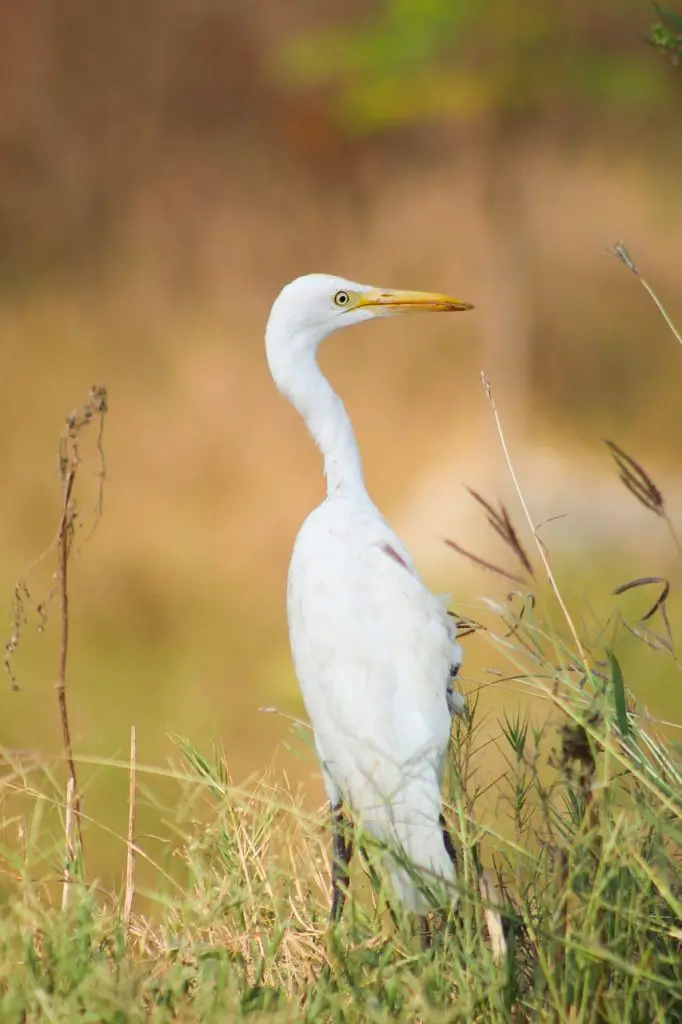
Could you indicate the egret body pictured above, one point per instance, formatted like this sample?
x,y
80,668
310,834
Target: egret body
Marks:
x,y
373,648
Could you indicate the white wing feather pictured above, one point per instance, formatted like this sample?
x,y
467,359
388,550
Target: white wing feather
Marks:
x,y
373,651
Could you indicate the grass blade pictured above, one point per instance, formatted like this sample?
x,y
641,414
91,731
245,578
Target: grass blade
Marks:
x,y
619,701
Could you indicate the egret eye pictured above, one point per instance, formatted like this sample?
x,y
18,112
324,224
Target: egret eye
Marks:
x,y
341,299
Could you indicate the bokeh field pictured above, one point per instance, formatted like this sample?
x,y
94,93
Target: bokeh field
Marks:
x,y
156,193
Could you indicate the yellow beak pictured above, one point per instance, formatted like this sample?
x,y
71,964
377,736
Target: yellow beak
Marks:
x,y
411,302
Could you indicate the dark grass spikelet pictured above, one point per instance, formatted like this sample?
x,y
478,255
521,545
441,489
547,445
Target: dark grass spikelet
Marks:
x,y
640,484
660,606
466,626
482,563
621,253
503,527
636,479
646,581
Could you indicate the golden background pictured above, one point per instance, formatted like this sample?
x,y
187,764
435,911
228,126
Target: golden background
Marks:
x,y
164,169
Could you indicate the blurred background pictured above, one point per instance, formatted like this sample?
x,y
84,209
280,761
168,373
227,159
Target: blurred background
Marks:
x,y
165,168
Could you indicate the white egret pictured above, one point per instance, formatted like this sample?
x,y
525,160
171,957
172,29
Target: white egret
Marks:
x,y
373,648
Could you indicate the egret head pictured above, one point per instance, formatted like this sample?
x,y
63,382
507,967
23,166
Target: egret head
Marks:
x,y
304,313
315,305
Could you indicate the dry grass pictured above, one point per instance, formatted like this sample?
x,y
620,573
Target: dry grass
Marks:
x,y
583,893
570,895
144,248
211,474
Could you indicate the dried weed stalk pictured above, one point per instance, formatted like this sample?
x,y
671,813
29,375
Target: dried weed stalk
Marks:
x,y
93,411
69,461
19,620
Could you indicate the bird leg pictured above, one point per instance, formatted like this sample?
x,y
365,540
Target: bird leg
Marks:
x,y
447,841
341,855
425,933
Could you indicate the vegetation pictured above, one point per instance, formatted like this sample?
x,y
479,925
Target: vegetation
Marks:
x,y
455,59
569,904
588,888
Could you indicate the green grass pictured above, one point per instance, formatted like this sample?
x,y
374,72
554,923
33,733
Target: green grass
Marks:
x,y
580,864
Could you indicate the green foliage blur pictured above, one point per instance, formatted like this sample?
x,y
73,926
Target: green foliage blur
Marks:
x,y
666,34
453,58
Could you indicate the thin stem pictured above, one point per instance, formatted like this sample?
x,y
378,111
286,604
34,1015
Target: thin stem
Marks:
x,y
529,518
65,527
673,534
661,308
69,856
130,855
621,253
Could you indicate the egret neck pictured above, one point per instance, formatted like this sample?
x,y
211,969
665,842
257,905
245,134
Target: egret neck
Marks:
x,y
309,391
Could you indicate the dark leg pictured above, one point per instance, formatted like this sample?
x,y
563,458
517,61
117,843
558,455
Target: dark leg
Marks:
x,y
425,933
341,855
450,850
447,841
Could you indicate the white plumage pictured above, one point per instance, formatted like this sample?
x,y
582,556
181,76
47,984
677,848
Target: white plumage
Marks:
x,y
373,649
